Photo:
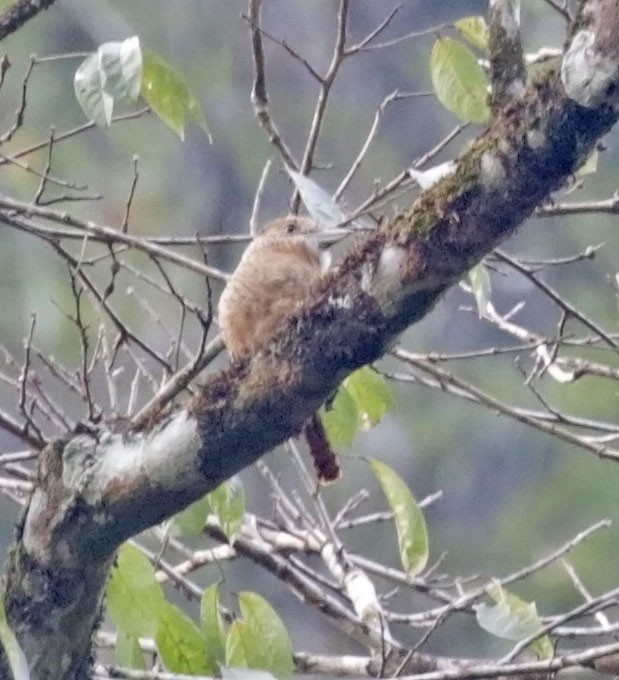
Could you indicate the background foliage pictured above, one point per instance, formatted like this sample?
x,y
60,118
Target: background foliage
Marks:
x,y
510,493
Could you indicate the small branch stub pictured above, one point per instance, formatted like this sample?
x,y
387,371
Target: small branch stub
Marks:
x,y
590,67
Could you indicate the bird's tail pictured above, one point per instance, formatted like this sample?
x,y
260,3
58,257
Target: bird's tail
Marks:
x,y
325,460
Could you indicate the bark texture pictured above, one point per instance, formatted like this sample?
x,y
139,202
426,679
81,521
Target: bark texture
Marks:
x,y
18,13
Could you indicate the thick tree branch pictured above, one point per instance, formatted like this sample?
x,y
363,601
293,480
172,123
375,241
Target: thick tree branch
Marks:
x,y
17,14
95,491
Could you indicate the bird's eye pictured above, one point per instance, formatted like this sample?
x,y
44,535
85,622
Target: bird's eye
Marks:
x,y
291,227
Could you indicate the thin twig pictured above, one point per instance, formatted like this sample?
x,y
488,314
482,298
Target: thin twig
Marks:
x,y
47,169
253,220
124,227
19,114
337,58
259,96
563,304
73,132
107,234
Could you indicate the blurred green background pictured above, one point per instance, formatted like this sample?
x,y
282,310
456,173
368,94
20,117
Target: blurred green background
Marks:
x,y
511,494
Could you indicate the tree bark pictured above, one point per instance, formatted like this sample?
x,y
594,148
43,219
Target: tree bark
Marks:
x,y
93,492
18,13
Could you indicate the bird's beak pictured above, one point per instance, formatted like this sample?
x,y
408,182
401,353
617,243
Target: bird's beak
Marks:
x,y
328,237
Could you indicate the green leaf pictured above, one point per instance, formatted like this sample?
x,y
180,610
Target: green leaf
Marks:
x,y
475,30
168,94
409,521
341,419
110,75
213,627
590,166
14,653
371,394
317,200
458,80
235,644
134,598
481,287
128,652
228,503
512,619
181,643
262,637
191,520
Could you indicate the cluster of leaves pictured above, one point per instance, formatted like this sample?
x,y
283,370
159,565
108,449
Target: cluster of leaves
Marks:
x,y
121,72
257,638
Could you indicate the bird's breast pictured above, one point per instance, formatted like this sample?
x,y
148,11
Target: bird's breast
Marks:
x,y
271,283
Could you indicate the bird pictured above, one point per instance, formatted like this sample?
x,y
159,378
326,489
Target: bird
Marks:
x,y
272,281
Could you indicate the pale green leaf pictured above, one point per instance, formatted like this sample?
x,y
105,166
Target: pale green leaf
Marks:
x,y
110,75
371,394
409,520
266,642
134,598
168,94
512,619
191,520
590,166
228,503
475,30
458,80
213,627
235,644
96,103
181,644
481,287
322,208
128,652
341,418
14,653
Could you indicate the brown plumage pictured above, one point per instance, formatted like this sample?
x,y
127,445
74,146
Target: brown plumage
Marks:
x,y
272,281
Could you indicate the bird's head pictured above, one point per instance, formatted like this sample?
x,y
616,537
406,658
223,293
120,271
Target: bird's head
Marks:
x,y
306,229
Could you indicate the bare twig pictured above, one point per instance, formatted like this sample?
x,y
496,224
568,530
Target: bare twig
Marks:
x,y
393,97
372,35
46,171
5,65
563,304
19,114
337,58
259,96
548,423
124,227
291,51
253,220
74,132
178,382
107,234
561,7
